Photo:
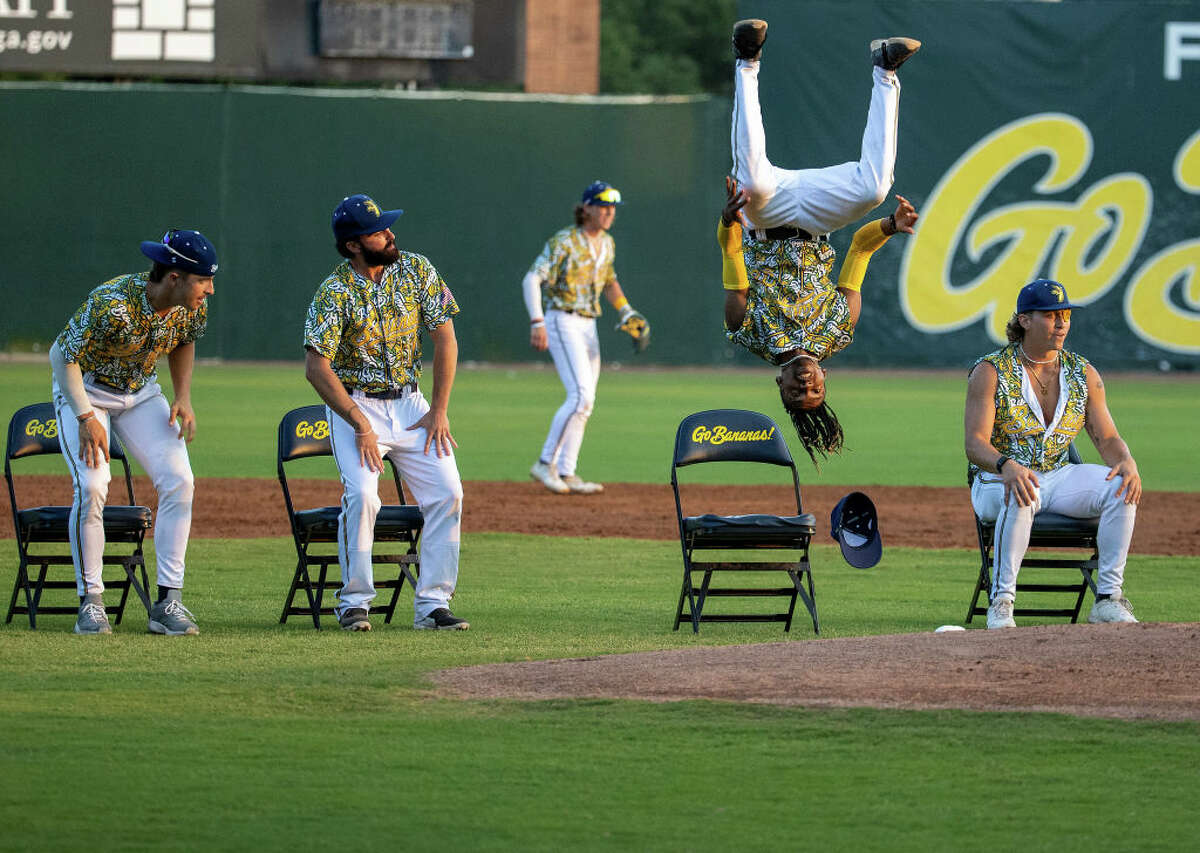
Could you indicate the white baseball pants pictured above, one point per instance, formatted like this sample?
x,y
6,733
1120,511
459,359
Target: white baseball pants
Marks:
x,y
818,200
140,421
1079,491
435,485
575,348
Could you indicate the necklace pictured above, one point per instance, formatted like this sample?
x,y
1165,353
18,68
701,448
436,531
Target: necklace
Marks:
x,y
797,358
1032,372
1025,355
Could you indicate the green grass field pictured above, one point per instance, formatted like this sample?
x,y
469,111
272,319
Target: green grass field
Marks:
x,y
259,736
901,428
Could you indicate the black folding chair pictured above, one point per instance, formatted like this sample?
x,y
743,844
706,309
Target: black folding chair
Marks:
x,y
1051,531
734,435
33,431
304,433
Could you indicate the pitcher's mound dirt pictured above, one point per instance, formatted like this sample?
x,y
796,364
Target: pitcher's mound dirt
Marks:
x,y
1149,671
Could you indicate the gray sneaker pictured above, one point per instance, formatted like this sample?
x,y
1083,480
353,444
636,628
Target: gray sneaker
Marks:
x,y
92,619
441,620
354,619
170,617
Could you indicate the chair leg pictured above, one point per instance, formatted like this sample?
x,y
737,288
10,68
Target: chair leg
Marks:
x,y
21,584
809,597
983,583
291,596
35,600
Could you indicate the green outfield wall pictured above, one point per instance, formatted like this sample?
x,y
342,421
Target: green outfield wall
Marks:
x,y
1036,139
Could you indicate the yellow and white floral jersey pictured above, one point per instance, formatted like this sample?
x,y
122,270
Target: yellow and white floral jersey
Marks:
x,y
791,303
118,338
572,276
1018,431
371,333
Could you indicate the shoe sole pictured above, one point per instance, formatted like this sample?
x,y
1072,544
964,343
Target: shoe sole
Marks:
x,y
357,626
749,29
160,628
91,633
461,626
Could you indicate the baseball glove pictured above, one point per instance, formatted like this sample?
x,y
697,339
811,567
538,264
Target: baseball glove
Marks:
x,y
638,328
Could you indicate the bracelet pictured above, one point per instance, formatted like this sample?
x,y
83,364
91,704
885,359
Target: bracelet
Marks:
x,y
891,221
1000,463
540,321
86,416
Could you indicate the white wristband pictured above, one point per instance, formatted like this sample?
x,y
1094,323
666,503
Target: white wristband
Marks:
x,y
538,323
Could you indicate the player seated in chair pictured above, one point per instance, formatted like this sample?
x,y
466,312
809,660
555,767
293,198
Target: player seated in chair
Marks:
x,y
104,365
1026,403
780,303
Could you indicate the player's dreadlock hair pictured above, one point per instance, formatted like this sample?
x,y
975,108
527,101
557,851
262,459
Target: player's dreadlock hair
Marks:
x,y
819,430
579,215
1014,330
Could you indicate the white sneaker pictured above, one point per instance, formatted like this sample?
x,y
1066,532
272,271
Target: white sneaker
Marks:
x,y
580,486
549,478
1111,610
1000,614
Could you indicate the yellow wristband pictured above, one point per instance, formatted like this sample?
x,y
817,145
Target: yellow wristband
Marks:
x,y
621,303
733,263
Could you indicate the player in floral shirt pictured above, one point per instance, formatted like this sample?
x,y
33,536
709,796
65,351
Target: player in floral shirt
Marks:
x,y
105,377
363,357
781,305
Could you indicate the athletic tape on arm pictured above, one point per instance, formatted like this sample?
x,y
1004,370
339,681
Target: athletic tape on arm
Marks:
x,y
866,241
733,264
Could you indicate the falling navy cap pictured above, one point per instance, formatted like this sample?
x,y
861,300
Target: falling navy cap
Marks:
x,y
1043,295
855,526
600,193
358,215
189,251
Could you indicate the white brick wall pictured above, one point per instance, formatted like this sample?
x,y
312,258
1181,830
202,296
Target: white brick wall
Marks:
x,y
164,30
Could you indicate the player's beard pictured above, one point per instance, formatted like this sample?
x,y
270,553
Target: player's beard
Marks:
x,y
388,255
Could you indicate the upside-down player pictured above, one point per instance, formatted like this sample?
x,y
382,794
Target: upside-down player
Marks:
x,y
793,316
788,215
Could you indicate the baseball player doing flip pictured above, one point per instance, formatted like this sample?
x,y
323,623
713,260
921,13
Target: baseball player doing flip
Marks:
x,y
105,377
562,294
363,356
779,301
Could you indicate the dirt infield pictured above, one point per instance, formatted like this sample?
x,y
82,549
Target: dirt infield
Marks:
x,y
1129,671
1145,671
1168,522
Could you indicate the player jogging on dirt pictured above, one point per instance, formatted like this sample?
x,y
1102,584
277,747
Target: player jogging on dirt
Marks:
x,y
105,377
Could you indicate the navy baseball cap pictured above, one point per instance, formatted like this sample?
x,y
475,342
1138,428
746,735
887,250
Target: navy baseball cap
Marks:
x,y
1043,295
359,214
855,526
600,193
190,251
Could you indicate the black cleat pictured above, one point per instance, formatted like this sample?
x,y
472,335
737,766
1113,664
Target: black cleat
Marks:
x,y
441,620
748,38
890,54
